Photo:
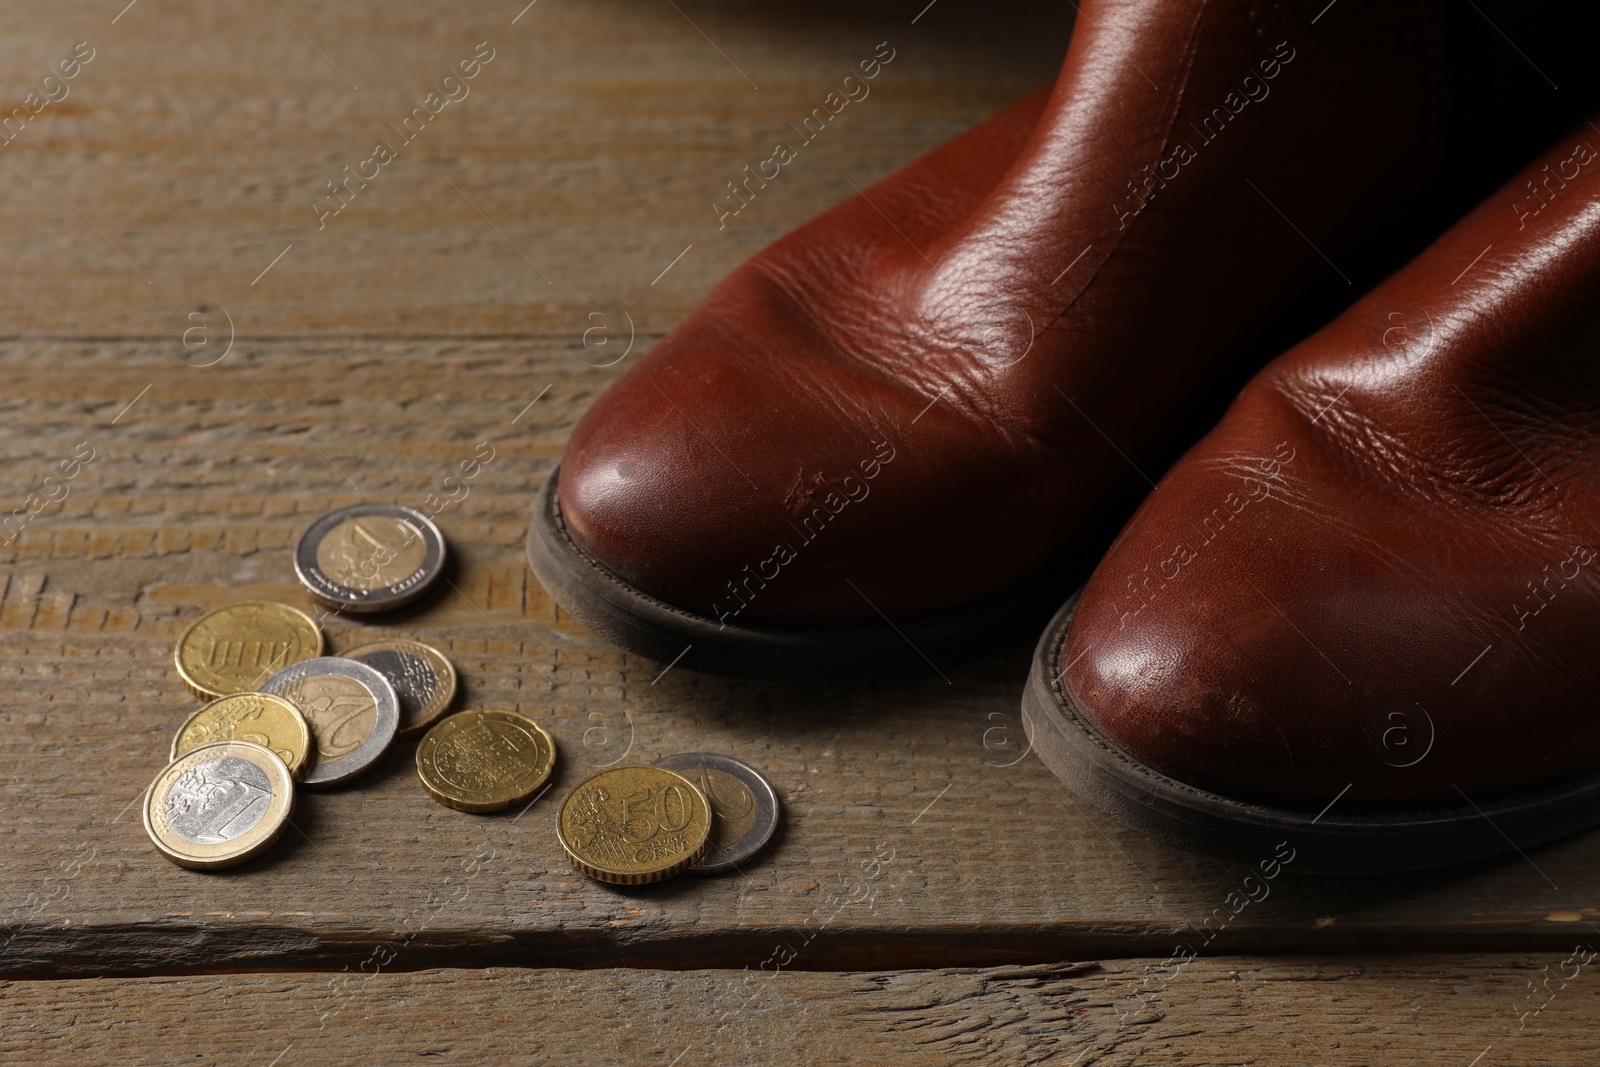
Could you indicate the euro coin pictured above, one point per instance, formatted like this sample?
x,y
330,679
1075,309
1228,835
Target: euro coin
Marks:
x,y
370,557
352,711
219,805
260,718
744,808
422,678
485,760
633,824
235,648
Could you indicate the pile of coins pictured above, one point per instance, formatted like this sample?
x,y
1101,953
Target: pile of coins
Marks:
x,y
279,713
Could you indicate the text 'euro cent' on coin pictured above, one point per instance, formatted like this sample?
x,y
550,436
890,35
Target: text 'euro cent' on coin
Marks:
x,y
633,824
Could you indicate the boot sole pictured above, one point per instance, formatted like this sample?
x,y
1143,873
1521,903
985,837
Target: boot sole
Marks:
x,y
1170,811
664,632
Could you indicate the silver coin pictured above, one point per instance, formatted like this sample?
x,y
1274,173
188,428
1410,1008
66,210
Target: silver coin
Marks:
x,y
422,677
744,807
370,557
219,801
352,710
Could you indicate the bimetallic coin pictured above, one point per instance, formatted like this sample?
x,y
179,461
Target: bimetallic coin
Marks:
x,y
422,678
234,649
218,805
485,760
351,708
633,824
370,557
260,718
744,807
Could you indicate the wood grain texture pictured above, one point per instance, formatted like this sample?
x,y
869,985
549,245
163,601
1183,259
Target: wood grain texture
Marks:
x,y
594,141
443,307
194,499
1394,1011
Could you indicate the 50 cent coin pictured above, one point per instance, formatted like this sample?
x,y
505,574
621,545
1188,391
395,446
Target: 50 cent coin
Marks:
x,y
633,824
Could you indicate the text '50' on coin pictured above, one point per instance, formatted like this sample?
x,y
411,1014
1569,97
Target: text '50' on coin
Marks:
x,y
634,824
485,760
219,805
369,557
422,678
235,648
744,808
260,718
351,709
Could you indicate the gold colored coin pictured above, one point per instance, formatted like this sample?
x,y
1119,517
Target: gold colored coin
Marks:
x,y
235,648
485,760
634,824
371,552
260,718
423,679
219,805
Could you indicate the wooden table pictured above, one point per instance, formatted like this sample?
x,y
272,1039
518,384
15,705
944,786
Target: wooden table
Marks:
x,y
935,895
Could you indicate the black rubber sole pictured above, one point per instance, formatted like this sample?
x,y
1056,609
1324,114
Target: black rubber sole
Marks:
x,y
653,628
1328,841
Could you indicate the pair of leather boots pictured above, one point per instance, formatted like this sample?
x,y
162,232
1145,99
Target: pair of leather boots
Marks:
x,y
1360,614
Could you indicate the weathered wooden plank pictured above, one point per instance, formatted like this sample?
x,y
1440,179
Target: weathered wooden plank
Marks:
x,y
1364,1010
595,140
195,495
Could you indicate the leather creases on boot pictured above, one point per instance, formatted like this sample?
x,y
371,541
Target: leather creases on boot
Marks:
x,y
935,403
1377,581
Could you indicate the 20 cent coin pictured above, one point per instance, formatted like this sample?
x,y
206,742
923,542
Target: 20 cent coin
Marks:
x,y
485,760
219,804
633,824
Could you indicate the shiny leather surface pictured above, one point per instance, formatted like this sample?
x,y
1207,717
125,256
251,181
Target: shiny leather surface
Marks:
x,y
1013,332
1382,569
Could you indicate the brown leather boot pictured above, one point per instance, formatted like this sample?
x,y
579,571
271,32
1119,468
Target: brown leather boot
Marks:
x,y
1363,615
907,426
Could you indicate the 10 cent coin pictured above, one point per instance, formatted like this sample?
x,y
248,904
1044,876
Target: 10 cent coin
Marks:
x,y
233,649
370,557
351,708
633,824
485,760
219,805
422,678
259,718
744,807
